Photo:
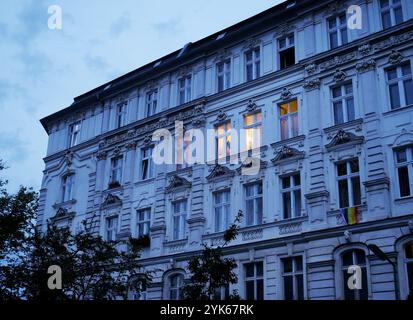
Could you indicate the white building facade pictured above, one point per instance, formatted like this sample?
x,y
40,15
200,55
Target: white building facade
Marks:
x,y
332,109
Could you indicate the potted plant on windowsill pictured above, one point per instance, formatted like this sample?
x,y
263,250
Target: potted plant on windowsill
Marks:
x,y
114,184
142,241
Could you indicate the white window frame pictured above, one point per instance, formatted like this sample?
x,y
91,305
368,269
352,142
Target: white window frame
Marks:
x,y
225,207
254,63
185,91
294,273
289,117
74,133
288,45
256,125
392,6
338,28
291,190
225,74
151,103
400,84
254,278
402,267
348,177
116,169
255,197
68,181
111,230
355,262
139,296
143,224
147,158
225,138
179,286
343,98
121,114
409,164
181,216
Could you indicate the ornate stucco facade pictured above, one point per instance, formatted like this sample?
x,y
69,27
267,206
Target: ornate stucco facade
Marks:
x,y
335,110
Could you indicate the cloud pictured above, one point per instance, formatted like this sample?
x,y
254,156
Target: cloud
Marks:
x,y
96,63
168,27
14,148
120,25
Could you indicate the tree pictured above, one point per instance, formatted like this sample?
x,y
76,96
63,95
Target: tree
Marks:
x,y
17,218
210,271
91,267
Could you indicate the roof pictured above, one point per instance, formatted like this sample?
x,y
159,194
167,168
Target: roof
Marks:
x,y
208,45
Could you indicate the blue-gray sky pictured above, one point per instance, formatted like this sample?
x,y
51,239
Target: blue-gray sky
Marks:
x,y
41,70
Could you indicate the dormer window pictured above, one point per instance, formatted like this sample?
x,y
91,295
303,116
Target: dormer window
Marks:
x,y
74,133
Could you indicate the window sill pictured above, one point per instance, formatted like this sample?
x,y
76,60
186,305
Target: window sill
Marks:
x,y
64,204
299,138
399,110
404,199
345,125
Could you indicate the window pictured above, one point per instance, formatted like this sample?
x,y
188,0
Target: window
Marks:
x,y
289,119
343,103
179,219
144,221
67,187
223,140
286,51
408,255
350,258
146,163
182,152
151,102
184,89
293,278
121,114
253,204
254,281
252,64
391,13
111,228
252,127
222,293
404,165
291,196
139,294
176,283
116,170
222,210
399,82
337,30
348,180
224,75
74,133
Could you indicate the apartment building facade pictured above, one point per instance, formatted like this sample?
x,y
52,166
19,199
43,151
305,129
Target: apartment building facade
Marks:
x,y
327,110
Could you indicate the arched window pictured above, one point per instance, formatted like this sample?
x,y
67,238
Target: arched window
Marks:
x,y
350,258
408,258
176,283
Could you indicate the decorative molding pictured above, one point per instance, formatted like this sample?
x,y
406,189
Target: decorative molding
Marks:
x,y
366,65
310,68
286,94
335,8
111,200
312,84
220,171
395,57
177,182
147,140
252,235
222,116
251,106
339,76
101,155
62,214
338,61
131,145
284,29
222,55
251,43
364,49
344,138
292,227
287,153
68,158
250,163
